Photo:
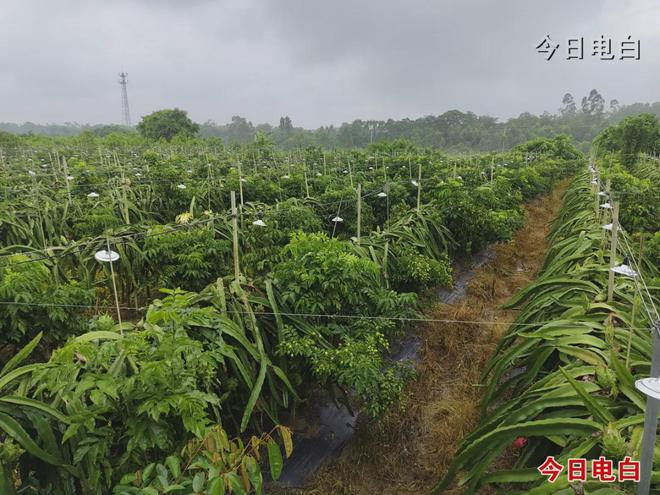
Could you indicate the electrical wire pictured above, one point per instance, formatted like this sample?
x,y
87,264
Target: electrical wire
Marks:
x,y
306,315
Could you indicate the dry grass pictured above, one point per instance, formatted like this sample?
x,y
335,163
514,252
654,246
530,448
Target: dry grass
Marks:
x,y
411,449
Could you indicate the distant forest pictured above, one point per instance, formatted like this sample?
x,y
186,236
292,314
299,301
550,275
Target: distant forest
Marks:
x,y
454,130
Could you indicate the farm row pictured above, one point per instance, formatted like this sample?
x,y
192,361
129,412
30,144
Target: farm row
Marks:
x,y
331,251
562,381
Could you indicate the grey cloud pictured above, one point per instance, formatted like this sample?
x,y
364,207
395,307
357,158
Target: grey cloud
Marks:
x,y
320,62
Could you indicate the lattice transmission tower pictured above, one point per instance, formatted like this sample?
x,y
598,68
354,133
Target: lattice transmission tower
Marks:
x,y
126,113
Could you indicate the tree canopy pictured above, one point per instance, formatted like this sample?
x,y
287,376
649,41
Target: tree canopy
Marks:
x,y
633,135
165,124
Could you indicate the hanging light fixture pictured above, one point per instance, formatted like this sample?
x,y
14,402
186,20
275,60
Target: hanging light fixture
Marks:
x,y
259,223
381,194
649,386
93,195
337,219
109,256
104,256
625,270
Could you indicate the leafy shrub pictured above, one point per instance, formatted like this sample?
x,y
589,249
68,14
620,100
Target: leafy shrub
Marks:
x,y
414,270
639,199
190,259
322,276
150,389
213,464
41,303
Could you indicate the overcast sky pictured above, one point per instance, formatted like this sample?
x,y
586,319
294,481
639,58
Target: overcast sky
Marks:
x,y
321,62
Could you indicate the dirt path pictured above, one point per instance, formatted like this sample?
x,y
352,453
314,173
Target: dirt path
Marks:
x,y
409,452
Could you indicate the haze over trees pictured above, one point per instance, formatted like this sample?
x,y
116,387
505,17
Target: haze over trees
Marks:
x,y
581,118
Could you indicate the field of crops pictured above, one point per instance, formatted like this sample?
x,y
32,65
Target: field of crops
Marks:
x,y
167,311
562,381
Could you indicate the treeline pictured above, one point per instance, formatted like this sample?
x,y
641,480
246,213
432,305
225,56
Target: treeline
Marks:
x,y
453,130
66,129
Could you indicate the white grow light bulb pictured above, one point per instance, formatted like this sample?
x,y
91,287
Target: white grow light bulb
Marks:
x,y
625,270
104,256
649,387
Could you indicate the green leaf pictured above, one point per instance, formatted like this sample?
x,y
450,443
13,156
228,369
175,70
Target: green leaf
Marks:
x,y
254,473
174,465
21,355
596,410
216,487
148,472
198,482
35,404
70,431
12,428
274,459
627,382
512,476
97,335
173,488
498,438
235,483
254,396
6,483
128,479
18,372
